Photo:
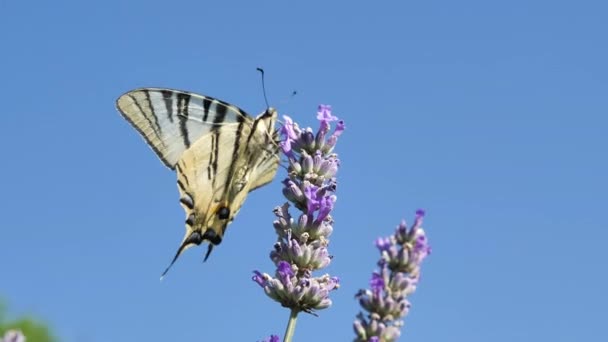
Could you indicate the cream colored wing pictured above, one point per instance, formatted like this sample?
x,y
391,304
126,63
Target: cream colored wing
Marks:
x,y
172,120
217,172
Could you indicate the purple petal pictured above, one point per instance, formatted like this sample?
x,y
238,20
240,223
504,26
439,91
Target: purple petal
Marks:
x,y
324,114
420,214
421,247
313,203
285,272
259,278
285,146
333,283
376,283
287,129
383,244
418,220
340,127
325,207
273,338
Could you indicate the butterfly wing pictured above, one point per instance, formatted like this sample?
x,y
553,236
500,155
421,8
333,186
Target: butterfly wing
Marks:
x,y
172,120
217,172
219,152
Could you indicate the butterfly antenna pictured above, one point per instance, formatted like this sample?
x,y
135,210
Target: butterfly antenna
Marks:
x,y
263,86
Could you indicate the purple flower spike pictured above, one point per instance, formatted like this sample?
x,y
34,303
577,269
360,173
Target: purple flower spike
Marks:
x,y
302,239
386,301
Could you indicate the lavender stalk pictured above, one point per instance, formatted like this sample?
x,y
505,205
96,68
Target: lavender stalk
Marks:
x,y
302,240
386,302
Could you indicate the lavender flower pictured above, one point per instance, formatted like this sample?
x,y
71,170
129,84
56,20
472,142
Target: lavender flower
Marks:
x,y
13,336
302,241
273,338
401,256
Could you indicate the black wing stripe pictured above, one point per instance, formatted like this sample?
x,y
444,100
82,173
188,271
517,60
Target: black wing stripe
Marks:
x,y
210,158
206,106
152,112
216,150
181,185
182,114
154,127
254,128
168,99
235,151
220,115
181,172
141,132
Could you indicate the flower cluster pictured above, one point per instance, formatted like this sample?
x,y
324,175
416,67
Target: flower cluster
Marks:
x,y
386,301
302,241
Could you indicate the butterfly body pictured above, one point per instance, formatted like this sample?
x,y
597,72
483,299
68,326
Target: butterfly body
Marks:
x,y
219,153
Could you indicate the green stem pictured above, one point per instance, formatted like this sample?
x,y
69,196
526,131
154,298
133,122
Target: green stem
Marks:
x,y
291,325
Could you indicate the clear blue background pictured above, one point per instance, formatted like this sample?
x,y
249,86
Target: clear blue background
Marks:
x,y
490,115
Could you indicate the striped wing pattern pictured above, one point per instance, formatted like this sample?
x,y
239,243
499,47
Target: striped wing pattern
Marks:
x,y
220,154
171,120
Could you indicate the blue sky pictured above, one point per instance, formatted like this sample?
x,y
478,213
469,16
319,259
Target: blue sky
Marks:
x,y
490,115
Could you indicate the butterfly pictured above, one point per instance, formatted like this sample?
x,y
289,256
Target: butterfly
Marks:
x,y
219,152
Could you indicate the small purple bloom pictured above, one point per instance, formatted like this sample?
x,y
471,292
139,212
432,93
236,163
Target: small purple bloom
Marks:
x,y
340,127
335,281
326,205
273,338
383,244
421,247
324,114
285,146
285,271
313,202
287,130
377,283
289,135
259,278
420,213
